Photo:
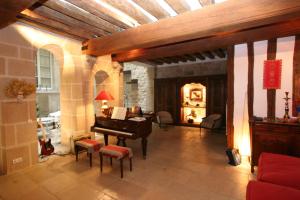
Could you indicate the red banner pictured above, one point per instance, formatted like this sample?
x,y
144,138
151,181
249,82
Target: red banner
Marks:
x,y
272,74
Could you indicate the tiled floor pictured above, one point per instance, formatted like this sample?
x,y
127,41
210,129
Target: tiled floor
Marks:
x,y
180,165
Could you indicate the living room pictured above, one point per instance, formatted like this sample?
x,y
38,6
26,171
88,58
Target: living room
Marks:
x,y
243,66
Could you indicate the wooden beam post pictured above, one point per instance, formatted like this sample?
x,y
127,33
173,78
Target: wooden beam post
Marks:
x,y
296,75
271,93
250,78
230,97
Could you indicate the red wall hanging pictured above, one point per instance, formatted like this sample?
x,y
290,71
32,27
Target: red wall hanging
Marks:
x,y
272,74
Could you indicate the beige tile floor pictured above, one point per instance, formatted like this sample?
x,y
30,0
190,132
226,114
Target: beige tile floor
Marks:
x,y
180,165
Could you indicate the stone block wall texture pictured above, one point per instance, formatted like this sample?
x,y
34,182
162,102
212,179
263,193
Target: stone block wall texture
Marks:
x,y
186,70
144,74
18,47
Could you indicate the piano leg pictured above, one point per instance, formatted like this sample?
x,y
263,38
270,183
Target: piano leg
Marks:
x,y
106,139
144,147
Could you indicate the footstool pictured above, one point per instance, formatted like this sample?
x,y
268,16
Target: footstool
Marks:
x,y
118,152
88,145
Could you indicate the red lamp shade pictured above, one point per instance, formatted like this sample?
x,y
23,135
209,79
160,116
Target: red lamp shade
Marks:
x,y
103,95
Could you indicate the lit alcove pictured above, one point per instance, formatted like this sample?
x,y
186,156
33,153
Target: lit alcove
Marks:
x,y
193,103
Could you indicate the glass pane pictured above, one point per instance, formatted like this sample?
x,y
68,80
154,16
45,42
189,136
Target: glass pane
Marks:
x,y
46,82
45,61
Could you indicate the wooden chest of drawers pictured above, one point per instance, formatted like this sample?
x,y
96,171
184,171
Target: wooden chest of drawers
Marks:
x,y
274,137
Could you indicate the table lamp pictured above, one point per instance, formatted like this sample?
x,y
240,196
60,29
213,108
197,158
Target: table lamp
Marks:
x,y
104,97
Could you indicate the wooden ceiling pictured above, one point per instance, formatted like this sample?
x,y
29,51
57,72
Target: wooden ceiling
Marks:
x,y
190,57
86,19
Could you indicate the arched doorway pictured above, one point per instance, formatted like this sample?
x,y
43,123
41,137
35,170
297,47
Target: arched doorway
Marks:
x,y
48,109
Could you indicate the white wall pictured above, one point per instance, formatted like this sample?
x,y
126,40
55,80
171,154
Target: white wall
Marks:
x,y
285,51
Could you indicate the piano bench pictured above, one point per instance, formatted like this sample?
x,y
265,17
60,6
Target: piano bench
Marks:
x,y
118,152
88,145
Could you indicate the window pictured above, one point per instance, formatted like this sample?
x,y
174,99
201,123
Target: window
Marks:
x,y
44,68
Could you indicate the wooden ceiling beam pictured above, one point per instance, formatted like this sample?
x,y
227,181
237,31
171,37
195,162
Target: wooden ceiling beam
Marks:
x,y
215,21
190,57
32,17
130,10
206,2
57,16
72,11
220,53
180,6
50,29
200,56
157,62
96,9
209,54
220,41
153,8
9,9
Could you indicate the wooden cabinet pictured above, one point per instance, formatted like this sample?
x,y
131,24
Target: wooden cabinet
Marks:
x,y
274,137
167,94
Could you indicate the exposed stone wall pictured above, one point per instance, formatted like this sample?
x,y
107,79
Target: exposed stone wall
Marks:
x,y
18,45
17,120
144,74
198,69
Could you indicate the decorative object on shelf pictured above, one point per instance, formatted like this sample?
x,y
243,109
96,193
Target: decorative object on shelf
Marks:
x,y
104,97
190,120
196,94
272,74
19,89
286,108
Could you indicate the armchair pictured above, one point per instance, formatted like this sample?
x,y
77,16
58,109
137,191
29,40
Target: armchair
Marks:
x,y
213,121
164,118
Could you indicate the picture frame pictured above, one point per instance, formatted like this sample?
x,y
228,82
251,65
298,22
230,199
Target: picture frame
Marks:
x,y
196,94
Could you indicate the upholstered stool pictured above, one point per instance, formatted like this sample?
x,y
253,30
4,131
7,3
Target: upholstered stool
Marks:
x,y
118,152
88,145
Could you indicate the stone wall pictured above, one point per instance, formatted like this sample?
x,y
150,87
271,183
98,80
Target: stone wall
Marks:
x,y
18,135
196,69
144,74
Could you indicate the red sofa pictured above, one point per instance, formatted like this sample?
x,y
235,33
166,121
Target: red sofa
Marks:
x,y
278,178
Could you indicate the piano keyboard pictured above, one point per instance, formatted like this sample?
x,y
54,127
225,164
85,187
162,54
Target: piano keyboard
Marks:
x,y
113,131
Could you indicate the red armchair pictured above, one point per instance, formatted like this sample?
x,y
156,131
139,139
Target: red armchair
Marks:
x,y
278,178
257,190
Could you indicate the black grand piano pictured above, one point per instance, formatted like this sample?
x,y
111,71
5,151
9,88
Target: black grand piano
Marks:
x,y
124,129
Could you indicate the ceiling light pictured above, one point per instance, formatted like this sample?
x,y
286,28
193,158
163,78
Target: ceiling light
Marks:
x,y
166,7
143,11
127,19
194,4
220,1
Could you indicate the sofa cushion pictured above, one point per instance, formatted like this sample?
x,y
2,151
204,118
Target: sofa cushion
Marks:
x,y
279,169
257,190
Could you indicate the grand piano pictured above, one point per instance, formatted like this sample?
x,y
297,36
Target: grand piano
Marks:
x,y
124,129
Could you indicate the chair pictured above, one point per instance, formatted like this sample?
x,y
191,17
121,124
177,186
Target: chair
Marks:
x,y
164,118
213,121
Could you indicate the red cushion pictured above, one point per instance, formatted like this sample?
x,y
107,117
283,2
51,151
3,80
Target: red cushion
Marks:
x,y
257,190
279,169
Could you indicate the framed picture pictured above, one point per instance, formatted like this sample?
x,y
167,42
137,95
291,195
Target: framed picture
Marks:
x,y
196,94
